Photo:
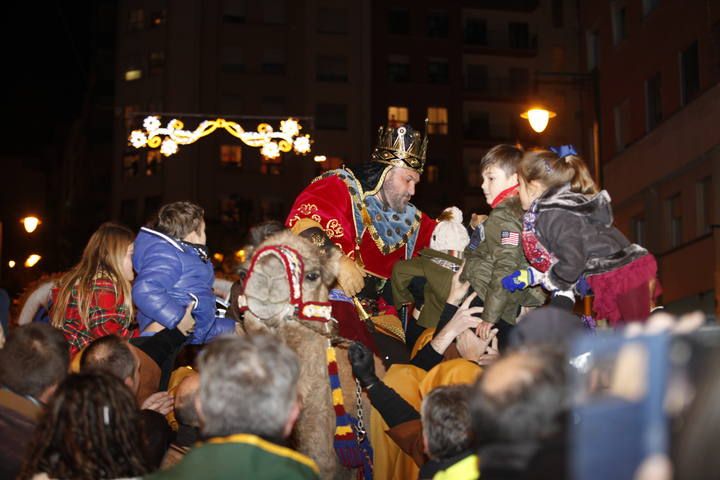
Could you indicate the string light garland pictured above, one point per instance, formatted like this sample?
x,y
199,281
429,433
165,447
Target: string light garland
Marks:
x,y
270,142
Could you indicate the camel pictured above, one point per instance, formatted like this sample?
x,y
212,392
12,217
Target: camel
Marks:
x,y
286,294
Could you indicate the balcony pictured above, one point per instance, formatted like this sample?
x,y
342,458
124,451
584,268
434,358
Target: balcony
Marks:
x,y
511,42
498,88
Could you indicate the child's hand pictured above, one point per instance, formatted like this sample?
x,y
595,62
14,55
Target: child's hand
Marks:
x,y
521,279
187,324
476,220
484,328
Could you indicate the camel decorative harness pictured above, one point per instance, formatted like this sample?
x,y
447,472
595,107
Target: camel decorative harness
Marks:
x,y
351,442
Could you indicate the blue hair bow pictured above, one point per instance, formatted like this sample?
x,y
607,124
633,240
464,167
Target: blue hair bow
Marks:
x,y
564,150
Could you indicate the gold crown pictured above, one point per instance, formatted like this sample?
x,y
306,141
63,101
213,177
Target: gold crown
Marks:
x,y
401,147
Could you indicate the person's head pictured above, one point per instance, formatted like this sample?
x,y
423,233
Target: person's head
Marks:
x,y
185,399
183,220
399,187
520,397
499,170
248,385
546,326
114,355
90,430
34,360
450,235
446,421
108,254
541,170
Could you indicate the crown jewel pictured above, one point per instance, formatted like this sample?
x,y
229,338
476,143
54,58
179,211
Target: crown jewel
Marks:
x,y
401,147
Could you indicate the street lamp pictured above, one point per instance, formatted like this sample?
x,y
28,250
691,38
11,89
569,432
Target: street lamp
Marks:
x,y
32,260
538,118
30,223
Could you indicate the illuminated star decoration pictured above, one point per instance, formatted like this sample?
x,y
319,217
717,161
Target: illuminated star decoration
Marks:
x,y
271,143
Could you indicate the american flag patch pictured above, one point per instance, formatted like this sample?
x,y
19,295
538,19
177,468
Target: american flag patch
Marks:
x,y
509,238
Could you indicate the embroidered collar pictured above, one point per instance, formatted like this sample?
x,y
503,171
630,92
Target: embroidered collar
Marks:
x,y
508,192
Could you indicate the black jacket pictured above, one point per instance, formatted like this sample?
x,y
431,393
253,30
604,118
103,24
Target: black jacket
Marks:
x,y
578,230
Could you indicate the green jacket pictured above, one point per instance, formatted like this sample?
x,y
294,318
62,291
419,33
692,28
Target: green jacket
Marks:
x,y
241,456
439,278
499,254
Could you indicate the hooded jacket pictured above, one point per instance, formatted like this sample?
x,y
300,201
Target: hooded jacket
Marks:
x,y
577,229
171,275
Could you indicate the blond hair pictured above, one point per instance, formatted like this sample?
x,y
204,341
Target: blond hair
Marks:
x,y
551,170
102,258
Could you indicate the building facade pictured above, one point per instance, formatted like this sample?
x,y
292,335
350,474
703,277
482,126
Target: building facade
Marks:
x,y
659,141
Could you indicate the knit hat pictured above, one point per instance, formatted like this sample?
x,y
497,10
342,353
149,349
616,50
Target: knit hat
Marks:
x,y
449,233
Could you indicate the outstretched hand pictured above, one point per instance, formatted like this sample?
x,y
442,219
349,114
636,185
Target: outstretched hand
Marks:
x,y
458,288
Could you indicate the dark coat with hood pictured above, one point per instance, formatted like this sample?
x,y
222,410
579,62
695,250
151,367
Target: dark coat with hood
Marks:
x,y
578,230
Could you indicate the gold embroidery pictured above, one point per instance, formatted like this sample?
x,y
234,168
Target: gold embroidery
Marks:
x,y
334,229
293,220
316,217
307,208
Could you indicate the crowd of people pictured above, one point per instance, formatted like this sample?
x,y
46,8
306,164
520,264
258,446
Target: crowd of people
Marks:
x,y
461,337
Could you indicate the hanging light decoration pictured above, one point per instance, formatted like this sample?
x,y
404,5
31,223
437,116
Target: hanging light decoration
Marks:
x,y
270,142
538,118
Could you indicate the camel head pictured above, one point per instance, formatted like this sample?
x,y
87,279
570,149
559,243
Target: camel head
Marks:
x,y
288,278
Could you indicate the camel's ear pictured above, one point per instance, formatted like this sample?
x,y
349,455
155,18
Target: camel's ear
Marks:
x,y
330,264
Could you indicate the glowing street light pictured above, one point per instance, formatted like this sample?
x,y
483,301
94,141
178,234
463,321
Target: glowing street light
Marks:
x,y
538,118
30,223
320,158
11,264
32,260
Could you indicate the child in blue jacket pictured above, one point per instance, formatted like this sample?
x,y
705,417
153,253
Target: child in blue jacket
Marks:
x,y
174,270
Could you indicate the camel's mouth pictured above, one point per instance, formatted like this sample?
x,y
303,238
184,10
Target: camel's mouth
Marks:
x,y
264,309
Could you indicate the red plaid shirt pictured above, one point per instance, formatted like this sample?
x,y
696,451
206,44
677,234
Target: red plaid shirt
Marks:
x,y
107,315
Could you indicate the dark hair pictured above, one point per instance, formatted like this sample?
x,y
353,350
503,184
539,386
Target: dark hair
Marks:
x,y
505,157
35,357
369,174
527,404
446,421
552,170
90,430
179,219
110,354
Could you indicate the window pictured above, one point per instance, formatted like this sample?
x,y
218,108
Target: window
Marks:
x,y
234,11
153,162
231,156
231,59
438,24
438,70
519,35
478,126
476,31
437,120
157,18
136,19
622,125
273,61
273,105
673,209
477,77
593,48
132,74
156,62
397,116
332,20
690,73
331,116
619,27
399,21
638,229
704,205
649,5
558,13
130,163
653,102
128,212
399,68
274,11
151,207
433,174
332,69
129,116
271,166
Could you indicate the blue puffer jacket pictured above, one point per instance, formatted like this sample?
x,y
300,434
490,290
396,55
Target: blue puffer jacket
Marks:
x,y
170,275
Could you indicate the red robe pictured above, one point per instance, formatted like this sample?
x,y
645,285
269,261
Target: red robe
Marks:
x,y
334,202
